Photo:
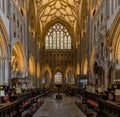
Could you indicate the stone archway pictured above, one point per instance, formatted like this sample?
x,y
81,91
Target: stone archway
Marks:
x,y
32,72
18,61
4,54
114,45
99,74
117,58
85,70
46,76
38,71
47,79
31,66
58,78
91,66
70,76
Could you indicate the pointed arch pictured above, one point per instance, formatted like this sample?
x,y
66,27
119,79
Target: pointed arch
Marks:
x,y
117,50
69,75
33,7
114,30
46,75
92,59
60,33
4,53
47,68
2,47
32,18
38,70
85,67
18,59
57,69
58,78
31,66
114,45
60,21
78,69
5,42
58,37
114,38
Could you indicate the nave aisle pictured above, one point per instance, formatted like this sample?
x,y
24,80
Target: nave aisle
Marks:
x,y
59,108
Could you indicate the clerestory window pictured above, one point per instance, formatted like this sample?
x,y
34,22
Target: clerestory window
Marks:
x,y
58,37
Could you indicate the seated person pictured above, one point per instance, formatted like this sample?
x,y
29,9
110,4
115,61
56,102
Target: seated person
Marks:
x,y
6,98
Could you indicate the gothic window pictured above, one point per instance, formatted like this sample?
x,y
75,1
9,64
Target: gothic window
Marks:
x,y
58,37
58,78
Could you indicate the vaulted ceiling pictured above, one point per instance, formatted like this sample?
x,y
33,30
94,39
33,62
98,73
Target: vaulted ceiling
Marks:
x,y
47,11
44,13
50,10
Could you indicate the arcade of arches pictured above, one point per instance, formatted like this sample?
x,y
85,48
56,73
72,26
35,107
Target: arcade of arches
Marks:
x,y
44,42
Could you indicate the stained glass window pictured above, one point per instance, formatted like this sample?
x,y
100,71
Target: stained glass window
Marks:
x,y
58,38
58,78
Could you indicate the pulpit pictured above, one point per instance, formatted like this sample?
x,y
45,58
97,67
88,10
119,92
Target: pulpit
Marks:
x,y
58,96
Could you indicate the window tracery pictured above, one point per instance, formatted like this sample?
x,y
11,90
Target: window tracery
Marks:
x,y
58,37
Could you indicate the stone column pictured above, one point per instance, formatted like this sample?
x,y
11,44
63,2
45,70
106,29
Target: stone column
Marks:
x,y
1,71
52,82
6,70
77,78
106,74
114,72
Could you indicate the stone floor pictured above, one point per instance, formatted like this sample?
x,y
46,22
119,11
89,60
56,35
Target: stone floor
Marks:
x,y
59,108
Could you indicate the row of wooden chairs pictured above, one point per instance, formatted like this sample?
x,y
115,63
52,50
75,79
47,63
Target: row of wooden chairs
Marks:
x,y
85,109
34,109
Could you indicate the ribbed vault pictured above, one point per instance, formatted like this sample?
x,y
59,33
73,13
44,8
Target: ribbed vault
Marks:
x,y
51,10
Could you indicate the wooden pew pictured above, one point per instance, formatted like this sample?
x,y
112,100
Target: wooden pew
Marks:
x,y
10,109
16,106
109,109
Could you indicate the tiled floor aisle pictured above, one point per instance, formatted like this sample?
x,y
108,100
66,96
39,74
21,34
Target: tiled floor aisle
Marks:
x,y
59,108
